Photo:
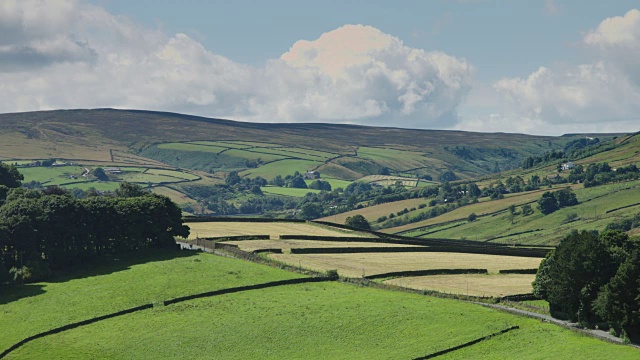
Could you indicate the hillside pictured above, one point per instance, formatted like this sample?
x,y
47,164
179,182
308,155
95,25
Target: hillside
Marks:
x,y
341,151
598,206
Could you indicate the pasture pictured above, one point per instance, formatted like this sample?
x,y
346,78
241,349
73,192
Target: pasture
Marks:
x,y
354,265
282,167
276,190
119,284
311,321
496,285
274,229
372,213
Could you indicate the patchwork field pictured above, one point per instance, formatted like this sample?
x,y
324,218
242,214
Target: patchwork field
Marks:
x,y
354,265
219,229
372,213
598,207
497,285
276,190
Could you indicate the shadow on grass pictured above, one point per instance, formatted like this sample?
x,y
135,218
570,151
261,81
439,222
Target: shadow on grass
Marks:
x,y
96,267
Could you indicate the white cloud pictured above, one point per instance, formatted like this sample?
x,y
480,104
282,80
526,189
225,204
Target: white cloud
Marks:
x,y
70,54
602,94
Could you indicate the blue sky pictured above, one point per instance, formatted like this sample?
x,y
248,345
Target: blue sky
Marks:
x,y
537,66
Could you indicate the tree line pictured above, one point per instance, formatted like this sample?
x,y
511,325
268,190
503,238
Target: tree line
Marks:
x,y
49,229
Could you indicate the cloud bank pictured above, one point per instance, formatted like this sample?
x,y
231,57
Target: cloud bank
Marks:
x,y
602,95
70,54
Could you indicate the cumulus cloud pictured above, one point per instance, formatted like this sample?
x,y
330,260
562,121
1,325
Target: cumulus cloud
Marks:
x,y
70,54
604,92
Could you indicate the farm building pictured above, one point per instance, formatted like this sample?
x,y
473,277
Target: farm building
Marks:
x,y
312,175
568,166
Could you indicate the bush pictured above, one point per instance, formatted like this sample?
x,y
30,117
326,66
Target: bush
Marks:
x,y
472,217
333,274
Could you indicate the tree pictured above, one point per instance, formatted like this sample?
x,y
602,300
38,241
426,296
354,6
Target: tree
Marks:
x,y
100,174
548,203
472,217
127,189
512,212
320,185
9,176
232,178
447,176
311,211
527,209
565,197
573,274
358,221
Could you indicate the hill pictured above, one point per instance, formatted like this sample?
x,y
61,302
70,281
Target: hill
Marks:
x,y
341,151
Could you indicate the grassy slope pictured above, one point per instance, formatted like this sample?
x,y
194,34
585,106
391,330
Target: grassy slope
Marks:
x,y
129,282
91,133
313,321
328,320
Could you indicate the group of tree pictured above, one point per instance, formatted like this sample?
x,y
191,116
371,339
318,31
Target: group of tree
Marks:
x,y
549,202
51,229
593,278
573,150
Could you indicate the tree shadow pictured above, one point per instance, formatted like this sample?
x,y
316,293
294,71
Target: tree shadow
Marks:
x,y
96,267
12,293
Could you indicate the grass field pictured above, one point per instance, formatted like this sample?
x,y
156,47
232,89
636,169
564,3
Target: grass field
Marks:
x,y
172,173
52,175
310,321
130,281
377,263
98,185
335,183
497,285
393,159
282,168
251,245
276,190
218,229
192,147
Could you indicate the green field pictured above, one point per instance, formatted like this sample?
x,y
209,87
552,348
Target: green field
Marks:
x,y
127,282
52,175
172,173
311,321
276,190
98,185
282,167
191,147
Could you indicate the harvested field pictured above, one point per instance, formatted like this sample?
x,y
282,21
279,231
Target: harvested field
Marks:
x,y
219,229
251,245
378,263
470,284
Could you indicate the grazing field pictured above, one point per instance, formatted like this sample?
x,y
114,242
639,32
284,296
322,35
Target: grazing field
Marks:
x,y
326,320
282,167
98,185
276,190
393,159
335,183
275,229
120,284
251,245
354,265
496,285
192,147
53,175
175,196
596,209
173,173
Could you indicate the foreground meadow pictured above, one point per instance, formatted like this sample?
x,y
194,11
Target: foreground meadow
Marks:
x,y
311,321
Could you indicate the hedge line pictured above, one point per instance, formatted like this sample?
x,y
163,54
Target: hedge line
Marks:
x,y
363,249
238,238
167,302
329,238
518,271
426,273
193,219
467,344
621,207
273,251
519,297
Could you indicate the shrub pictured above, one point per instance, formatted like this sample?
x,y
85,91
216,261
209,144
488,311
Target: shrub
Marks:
x,y
472,217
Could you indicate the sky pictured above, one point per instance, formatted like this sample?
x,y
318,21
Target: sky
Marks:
x,y
532,66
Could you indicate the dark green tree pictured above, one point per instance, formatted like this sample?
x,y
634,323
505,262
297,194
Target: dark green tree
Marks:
x,y
9,176
127,189
100,174
358,221
232,178
548,203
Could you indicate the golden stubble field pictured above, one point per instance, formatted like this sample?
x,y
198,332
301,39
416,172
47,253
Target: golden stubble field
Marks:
x,y
251,245
470,284
219,229
355,265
